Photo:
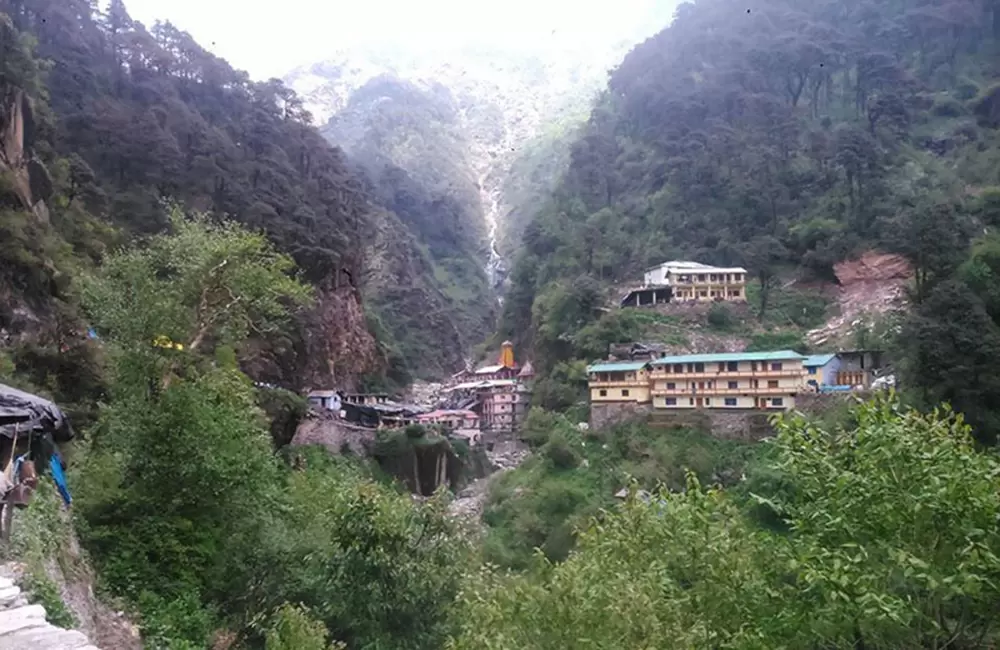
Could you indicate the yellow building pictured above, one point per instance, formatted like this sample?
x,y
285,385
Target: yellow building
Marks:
x,y
747,380
627,381
691,281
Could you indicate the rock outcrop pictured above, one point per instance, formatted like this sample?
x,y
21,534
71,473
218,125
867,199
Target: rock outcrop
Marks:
x,y
26,177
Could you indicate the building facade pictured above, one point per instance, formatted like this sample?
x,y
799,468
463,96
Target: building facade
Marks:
x,y
691,281
821,370
749,380
627,381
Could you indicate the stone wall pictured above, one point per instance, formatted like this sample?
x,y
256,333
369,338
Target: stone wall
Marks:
x,y
747,425
605,415
325,428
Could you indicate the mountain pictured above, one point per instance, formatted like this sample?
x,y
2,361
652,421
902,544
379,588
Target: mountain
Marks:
x,y
499,101
784,137
105,122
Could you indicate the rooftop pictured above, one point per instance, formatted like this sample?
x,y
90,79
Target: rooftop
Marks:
x,y
444,413
818,359
696,266
622,366
731,356
486,370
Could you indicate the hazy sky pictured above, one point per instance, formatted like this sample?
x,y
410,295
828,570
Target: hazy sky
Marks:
x,y
269,42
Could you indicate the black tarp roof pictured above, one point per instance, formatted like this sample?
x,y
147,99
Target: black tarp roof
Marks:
x,y
23,412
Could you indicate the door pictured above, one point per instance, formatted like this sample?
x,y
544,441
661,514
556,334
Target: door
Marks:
x,y
698,402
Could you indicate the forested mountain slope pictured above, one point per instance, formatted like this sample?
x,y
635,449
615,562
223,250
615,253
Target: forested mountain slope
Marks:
x,y
477,113
123,118
407,143
785,134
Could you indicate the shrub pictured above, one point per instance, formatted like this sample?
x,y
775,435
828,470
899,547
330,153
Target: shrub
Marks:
x,y
720,317
559,450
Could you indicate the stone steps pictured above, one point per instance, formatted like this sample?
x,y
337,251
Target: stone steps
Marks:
x,y
23,626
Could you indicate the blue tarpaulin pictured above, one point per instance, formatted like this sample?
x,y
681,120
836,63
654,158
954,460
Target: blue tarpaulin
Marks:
x,y
56,466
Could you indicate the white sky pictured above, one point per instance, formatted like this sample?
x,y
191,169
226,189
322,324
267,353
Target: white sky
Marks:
x,y
269,38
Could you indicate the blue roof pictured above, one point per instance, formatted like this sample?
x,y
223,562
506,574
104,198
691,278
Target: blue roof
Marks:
x,y
818,360
617,366
731,356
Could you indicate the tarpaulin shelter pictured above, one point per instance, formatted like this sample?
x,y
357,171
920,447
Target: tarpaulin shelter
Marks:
x,y
22,413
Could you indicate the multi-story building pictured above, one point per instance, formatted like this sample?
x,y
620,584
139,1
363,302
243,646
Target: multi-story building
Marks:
x,y
746,380
500,394
700,282
626,381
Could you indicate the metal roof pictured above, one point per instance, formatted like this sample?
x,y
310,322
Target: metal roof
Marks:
x,y
694,267
617,366
818,359
731,356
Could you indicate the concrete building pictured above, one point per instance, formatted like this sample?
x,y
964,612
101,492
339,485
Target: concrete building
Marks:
x,y
688,282
626,381
746,380
365,399
325,399
499,405
821,370
699,282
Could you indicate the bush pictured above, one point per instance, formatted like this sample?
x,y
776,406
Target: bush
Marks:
x,y
720,317
559,450
293,628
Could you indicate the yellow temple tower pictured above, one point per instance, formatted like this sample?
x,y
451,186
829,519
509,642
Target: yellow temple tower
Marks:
x,y
507,354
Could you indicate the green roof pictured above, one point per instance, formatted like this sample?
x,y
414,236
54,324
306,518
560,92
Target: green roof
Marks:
x,y
731,356
818,359
617,367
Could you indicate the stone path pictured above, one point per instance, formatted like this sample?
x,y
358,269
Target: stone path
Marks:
x,y
23,626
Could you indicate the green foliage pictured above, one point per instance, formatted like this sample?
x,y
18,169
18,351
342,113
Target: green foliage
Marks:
x,y
284,410
574,475
720,317
202,283
377,570
292,628
184,507
777,340
40,589
889,543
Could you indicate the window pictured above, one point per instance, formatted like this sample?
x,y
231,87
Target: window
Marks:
x,y
772,383
812,370
691,401
699,367
730,401
777,401
733,366
734,384
701,278
666,369
671,385
603,393
624,392
678,368
708,401
776,366
670,401
722,366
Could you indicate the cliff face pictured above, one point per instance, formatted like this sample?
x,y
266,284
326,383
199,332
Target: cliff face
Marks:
x,y
26,176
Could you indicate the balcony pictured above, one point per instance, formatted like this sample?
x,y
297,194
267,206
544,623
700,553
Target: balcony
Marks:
x,y
726,375
724,392
631,383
